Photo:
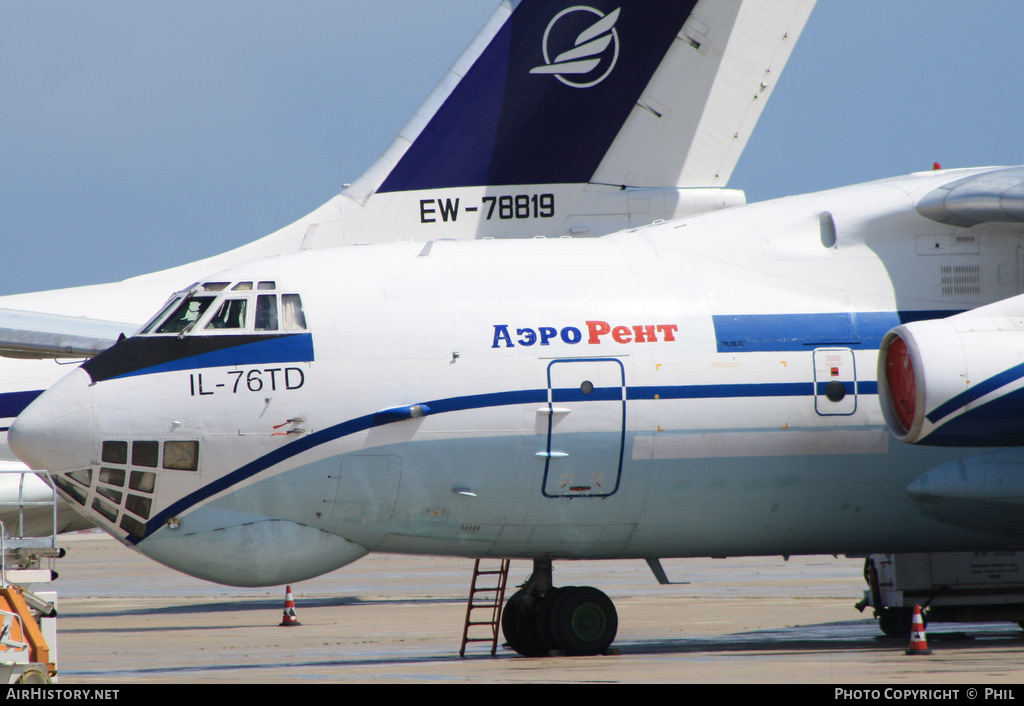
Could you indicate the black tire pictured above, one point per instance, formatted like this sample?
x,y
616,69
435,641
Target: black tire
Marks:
x,y
584,621
544,612
895,622
510,622
519,625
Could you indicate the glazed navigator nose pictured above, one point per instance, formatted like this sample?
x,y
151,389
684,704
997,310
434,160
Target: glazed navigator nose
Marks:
x,y
57,432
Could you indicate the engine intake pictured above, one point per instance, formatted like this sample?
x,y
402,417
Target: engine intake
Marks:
x,y
954,382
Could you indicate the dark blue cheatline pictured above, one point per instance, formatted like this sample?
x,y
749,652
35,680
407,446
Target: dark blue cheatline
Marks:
x,y
465,403
149,355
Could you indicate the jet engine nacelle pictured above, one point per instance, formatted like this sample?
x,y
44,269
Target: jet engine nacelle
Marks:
x,y
954,382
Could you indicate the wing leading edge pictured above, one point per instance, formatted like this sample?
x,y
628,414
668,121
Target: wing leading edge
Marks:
x,y
30,334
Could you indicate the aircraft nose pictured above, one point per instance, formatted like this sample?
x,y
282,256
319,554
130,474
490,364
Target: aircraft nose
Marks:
x,y
57,431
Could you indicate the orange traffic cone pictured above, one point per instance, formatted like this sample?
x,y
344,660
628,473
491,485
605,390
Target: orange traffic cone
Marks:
x,y
918,642
289,618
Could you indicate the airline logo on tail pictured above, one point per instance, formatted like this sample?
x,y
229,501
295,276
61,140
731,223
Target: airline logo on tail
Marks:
x,y
514,117
593,48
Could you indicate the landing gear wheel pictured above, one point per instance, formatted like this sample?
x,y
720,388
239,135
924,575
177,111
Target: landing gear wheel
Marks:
x,y
547,638
583,621
895,622
519,625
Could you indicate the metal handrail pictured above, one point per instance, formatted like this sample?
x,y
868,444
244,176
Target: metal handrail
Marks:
x,y
21,503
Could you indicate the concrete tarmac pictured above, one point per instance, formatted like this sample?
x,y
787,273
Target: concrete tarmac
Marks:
x,y
386,618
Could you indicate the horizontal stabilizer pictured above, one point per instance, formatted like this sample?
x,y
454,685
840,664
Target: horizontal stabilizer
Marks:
x,y
30,334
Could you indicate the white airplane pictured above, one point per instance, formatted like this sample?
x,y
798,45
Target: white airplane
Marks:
x,y
497,150
822,374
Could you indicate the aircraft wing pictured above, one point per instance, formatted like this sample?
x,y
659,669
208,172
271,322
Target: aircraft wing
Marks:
x,y
990,197
30,334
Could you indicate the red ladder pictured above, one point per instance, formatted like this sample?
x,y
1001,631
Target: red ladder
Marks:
x,y
485,598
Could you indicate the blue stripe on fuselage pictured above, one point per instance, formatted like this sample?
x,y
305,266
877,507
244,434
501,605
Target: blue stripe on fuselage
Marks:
x,y
467,403
753,333
734,333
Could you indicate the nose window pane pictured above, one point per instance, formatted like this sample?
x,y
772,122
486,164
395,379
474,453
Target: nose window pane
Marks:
x,y
144,453
115,452
181,455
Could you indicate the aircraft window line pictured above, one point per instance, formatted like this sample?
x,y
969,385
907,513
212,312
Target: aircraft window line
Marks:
x,y
229,313
177,456
109,497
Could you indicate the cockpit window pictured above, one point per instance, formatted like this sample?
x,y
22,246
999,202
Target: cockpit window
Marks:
x,y
292,316
266,312
160,317
237,307
186,315
231,315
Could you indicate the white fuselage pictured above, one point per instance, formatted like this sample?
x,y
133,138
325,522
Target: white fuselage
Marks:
x,y
659,392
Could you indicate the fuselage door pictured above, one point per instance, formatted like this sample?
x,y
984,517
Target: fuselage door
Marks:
x,y
835,382
586,413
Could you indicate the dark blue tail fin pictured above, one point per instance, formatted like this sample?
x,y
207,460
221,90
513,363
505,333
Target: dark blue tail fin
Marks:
x,y
546,98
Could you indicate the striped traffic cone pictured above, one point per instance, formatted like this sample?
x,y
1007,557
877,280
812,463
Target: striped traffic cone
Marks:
x,y
918,642
289,618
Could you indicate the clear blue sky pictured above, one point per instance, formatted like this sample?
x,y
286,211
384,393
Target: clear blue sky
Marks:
x,y
135,136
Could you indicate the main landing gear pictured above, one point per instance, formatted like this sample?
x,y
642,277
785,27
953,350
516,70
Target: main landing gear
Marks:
x,y
574,620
